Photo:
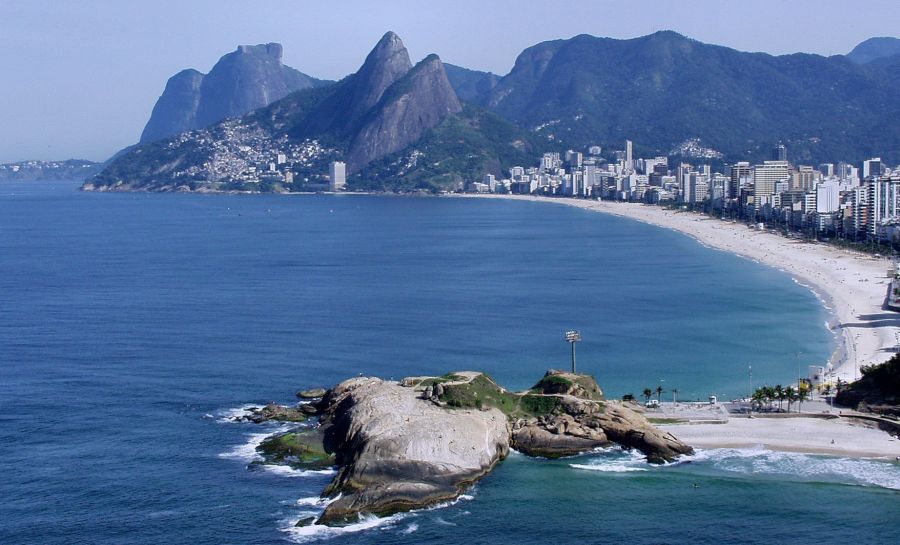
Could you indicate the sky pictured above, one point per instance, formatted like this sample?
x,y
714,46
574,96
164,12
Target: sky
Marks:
x,y
80,77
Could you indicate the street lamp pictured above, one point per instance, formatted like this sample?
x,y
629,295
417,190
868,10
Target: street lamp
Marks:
x,y
573,337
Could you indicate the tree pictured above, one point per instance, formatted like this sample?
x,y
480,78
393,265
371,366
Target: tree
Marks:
x,y
674,393
791,395
759,397
779,395
647,393
802,394
659,391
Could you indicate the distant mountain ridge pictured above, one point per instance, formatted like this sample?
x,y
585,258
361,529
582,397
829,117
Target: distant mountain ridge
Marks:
x,y
248,78
399,126
373,120
32,171
664,88
874,49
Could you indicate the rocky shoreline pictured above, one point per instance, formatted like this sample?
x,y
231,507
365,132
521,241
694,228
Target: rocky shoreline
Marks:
x,y
422,441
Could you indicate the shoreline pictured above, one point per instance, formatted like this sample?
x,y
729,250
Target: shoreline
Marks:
x,y
833,437
851,286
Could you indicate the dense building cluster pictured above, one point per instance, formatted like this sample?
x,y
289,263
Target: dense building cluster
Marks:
x,y
245,154
843,200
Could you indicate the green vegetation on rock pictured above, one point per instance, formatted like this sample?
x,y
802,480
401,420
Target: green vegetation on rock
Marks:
x,y
481,392
298,448
879,385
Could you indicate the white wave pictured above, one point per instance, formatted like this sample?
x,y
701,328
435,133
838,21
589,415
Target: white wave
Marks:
x,y
802,467
614,460
317,501
247,450
410,529
608,468
288,471
235,414
315,532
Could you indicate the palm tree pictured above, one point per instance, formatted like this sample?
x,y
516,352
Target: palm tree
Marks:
x,y
779,395
790,394
802,394
674,393
771,396
759,396
648,393
659,391
827,391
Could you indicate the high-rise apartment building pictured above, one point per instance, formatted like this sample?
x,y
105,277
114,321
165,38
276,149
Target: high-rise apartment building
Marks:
x,y
767,174
338,176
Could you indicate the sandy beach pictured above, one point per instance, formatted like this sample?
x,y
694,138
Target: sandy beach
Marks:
x,y
836,437
853,286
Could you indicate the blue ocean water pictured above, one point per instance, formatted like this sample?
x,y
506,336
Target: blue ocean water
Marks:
x,y
132,325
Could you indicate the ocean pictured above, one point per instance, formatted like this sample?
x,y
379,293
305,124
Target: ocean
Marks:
x,y
132,325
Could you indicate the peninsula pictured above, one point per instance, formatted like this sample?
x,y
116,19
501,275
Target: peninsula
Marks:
x,y
423,440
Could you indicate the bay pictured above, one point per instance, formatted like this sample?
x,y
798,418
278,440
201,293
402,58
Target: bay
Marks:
x,y
131,324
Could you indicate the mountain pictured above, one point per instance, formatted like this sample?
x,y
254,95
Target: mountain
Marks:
x,y
53,171
470,84
377,120
663,89
874,48
418,101
248,78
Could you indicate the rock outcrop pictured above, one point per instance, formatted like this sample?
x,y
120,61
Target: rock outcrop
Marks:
x,y
279,413
577,425
408,108
248,78
397,451
421,441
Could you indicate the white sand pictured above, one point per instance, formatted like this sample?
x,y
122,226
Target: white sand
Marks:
x,y
853,285
809,435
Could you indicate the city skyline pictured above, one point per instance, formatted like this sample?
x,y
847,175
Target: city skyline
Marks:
x,y
77,96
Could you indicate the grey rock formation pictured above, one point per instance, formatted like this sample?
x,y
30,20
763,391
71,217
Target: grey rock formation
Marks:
x,y
311,393
248,78
275,412
579,425
397,451
339,115
411,106
176,110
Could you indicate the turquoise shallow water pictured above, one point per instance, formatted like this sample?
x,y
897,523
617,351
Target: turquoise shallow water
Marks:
x,y
131,324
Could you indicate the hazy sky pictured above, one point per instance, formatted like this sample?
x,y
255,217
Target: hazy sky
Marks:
x,y
79,78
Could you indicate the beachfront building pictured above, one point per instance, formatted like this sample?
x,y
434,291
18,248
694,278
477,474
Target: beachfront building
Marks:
x,y
826,199
337,176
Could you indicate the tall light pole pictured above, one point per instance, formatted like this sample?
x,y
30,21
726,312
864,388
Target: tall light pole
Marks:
x,y
750,395
573,337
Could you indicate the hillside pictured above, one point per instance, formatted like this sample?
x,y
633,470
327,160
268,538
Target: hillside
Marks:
x,y
248,78
874,48
662,89
387,108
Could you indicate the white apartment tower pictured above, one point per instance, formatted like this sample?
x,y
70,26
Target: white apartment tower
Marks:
x,y
338,176
765,176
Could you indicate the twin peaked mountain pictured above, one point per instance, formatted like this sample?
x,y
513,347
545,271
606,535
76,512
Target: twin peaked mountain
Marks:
x,y
385,106
401,127
382,109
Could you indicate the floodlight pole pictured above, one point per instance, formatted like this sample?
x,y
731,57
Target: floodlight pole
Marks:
x,y
573,337
573,356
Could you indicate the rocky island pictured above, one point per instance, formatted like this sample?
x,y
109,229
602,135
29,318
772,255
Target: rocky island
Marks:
x,y
421,441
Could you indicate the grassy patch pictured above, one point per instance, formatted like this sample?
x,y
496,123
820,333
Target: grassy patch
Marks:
x,y
482,393
449,377
302,448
